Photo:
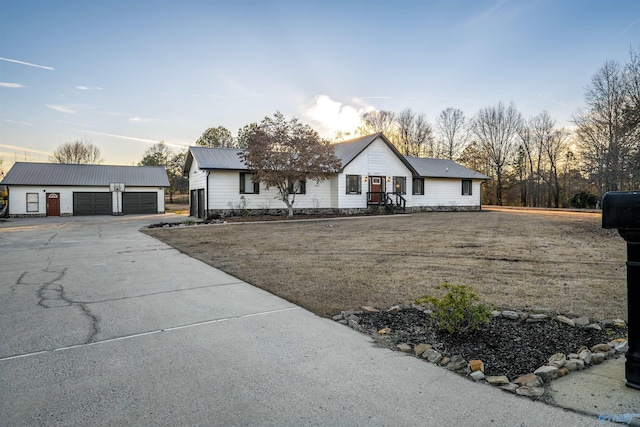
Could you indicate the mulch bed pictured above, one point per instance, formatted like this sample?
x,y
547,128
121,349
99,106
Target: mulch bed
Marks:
x,y
507,347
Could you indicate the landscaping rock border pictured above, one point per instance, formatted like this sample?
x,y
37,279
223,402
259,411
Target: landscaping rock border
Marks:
x,y
531,384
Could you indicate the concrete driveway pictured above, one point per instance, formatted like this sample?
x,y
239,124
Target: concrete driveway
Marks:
x,y
103,325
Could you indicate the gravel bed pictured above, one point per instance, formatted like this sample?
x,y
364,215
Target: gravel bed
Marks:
x,y
507,347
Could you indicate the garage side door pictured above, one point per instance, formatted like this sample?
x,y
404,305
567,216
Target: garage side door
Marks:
x,y
140,203
91,203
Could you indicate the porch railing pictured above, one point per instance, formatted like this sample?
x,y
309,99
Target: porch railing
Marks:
x,y
391,201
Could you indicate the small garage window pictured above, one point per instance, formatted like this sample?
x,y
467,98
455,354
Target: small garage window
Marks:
x,y
32,202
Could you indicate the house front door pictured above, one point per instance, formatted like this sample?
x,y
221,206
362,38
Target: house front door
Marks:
x,y
53,204
375,188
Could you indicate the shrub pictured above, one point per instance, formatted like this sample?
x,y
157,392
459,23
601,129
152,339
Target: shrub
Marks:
x,y
583,201
458,311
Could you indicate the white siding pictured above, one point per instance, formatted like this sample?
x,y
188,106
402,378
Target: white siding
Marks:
x,y
376,160
18,198
224,193
197,177
447,193
334,184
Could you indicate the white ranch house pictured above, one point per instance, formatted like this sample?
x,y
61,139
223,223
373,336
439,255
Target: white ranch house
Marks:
x,y
374,175
52,189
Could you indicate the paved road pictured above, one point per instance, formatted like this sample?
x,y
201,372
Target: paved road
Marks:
x,y
103,325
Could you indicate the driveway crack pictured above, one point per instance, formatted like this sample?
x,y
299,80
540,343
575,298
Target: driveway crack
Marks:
x,y
51,238
51,294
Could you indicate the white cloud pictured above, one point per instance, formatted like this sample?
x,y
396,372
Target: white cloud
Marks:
x,y
142,120
61,109
18,122
24,149
27,63
132,138
329,116
81,87
11,85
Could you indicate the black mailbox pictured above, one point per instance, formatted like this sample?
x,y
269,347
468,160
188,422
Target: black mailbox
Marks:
x,y
621,210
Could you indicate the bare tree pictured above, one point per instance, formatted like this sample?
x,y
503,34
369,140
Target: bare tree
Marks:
x,y
632,89
495,128
541,127
414,134
452,135
286,154
77,152
605,138
555,147
475,157
376,121
527,153
632,115
217,137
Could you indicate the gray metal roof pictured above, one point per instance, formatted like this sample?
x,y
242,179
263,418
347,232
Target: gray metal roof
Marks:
x,y
229,159
442,168
349,150
23,173
215,158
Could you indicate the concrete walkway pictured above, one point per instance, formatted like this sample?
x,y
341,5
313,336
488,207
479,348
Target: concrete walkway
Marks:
x,y
103,325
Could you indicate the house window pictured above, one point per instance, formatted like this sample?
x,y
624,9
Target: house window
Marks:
x,y
418,186
400,184
466,187
247,186
302,187
32,202
353,184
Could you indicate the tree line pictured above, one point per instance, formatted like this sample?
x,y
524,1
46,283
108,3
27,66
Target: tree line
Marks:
x,y
531,161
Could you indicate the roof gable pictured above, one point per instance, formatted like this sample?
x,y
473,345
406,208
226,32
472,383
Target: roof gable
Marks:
x,y
26,173
349,150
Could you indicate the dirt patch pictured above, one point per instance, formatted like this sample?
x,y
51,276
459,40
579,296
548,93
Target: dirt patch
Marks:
x,y
561,263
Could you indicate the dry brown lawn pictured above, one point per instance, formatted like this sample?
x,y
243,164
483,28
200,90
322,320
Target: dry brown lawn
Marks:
x,y
557,262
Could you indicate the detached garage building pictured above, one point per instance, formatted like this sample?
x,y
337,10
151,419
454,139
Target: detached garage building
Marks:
x,y
52,189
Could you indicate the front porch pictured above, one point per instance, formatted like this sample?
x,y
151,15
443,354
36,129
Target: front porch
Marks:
x,y
392,202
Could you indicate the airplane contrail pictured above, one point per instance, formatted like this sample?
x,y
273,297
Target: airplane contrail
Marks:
x,y
27,63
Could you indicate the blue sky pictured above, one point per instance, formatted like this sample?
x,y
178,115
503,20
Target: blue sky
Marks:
x,y
127,74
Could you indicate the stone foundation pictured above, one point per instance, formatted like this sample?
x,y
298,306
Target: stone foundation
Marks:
x,y
37,215
371,210
443,208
